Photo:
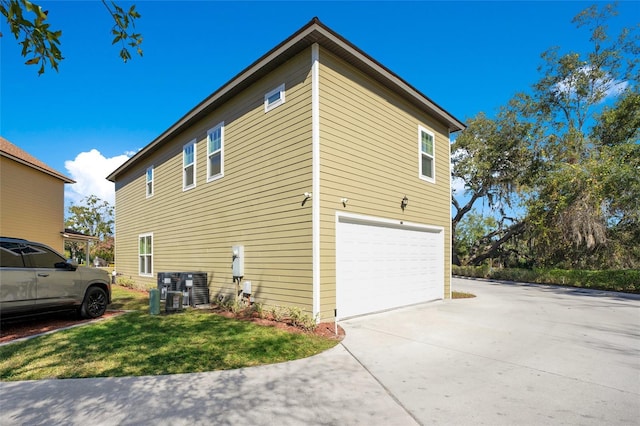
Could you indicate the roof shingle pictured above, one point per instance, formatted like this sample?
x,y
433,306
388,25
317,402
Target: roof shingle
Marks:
x,y
9,150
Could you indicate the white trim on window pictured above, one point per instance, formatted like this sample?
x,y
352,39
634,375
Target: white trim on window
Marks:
x,y
189,165
145,254
426,155
149,181
215,152
274,98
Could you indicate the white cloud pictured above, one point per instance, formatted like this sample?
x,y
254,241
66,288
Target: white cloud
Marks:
x,y
90,171
606,86
457,186
617,89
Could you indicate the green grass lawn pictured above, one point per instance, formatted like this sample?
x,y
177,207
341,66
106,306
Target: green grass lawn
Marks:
x,y
137,343
128,300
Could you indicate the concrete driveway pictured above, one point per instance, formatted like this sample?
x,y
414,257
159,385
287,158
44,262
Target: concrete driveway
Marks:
x,y
516,354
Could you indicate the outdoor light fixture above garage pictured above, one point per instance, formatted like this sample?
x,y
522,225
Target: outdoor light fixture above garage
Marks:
x,y
404,202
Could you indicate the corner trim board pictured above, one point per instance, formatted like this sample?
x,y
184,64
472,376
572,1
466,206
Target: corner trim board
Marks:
x,y
315,209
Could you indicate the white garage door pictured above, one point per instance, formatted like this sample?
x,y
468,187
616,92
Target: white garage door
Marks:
x,y
382,265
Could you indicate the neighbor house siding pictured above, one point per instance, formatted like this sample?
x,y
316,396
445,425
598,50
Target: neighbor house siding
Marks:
x,y
32,204
369,154
267,168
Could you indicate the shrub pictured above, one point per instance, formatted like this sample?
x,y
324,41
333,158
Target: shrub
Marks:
x,y
627,281
511,274
259,309
299,318
471,271
230,304
126,282
277,313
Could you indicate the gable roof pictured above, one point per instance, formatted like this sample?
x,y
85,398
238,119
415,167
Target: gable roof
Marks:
x,y
9,150
313,32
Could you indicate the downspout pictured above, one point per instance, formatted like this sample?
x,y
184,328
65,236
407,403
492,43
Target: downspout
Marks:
x,y
315,148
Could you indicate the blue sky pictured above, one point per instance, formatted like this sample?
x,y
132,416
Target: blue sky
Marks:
x,y
85,119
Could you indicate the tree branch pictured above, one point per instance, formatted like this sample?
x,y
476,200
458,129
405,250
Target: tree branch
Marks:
x,y
514,230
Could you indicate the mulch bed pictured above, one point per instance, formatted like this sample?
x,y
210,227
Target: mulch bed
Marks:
x,y
18,328
324,329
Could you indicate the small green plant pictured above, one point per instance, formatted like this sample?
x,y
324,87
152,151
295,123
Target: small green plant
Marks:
x,y
126,282
224,303
308,323
292,315
295,315
238,306
231,305
299,318
277,313
259,309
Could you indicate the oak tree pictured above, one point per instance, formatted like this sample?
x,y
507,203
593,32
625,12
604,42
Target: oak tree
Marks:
x,y
29,24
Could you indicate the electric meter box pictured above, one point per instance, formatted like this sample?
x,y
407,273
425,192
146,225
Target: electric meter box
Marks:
x,y
237,263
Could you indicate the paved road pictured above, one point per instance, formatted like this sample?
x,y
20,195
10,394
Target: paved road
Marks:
x,y
516,354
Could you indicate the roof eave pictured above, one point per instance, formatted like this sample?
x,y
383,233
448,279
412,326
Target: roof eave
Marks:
x,y
312,32
209,103
36,167
391,78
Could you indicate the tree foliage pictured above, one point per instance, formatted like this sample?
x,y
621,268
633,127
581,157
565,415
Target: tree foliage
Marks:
x,y
493,159
40,44
94,217
571,202
473,227
574,143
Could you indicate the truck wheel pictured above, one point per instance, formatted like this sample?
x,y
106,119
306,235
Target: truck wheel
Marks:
x,y
94,304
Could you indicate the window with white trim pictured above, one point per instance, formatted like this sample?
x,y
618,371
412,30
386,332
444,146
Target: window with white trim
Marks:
x,y
274,98
215,152
145,255
149,181
189,165
427,160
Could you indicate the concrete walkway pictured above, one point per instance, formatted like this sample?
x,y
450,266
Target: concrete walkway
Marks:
x,y
329,389
516,354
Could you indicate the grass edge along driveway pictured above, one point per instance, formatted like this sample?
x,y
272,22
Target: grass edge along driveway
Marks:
x,y
138,344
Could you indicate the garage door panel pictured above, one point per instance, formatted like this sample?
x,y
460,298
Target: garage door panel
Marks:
x,y
381,266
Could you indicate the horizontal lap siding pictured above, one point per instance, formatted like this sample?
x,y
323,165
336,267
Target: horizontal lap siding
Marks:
x,y
267,168
369,154
31,204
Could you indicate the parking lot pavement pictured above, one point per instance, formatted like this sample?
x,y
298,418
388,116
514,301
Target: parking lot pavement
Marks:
x,y
515,354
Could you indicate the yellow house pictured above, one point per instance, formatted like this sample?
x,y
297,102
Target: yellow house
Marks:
x,y
31,198
322,176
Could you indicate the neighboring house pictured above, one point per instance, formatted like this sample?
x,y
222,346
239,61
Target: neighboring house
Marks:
x,y
31,198
328,169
